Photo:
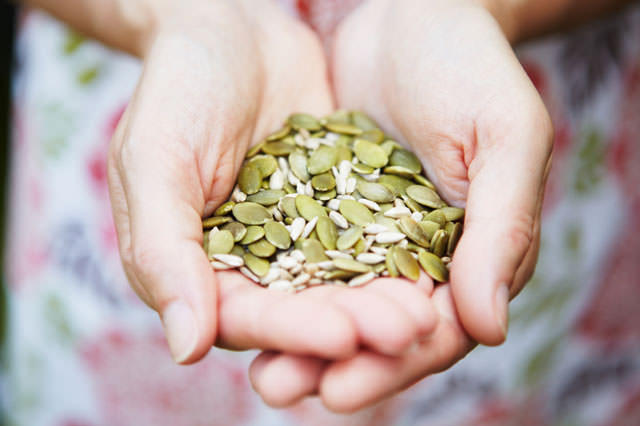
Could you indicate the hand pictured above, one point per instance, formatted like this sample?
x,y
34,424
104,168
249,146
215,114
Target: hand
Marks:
x,y
218,76
441,75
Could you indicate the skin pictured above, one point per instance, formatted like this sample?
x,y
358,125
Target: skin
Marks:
x,y
221,75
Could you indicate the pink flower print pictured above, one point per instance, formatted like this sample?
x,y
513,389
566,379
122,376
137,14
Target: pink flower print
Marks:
x,y
137,383
629,413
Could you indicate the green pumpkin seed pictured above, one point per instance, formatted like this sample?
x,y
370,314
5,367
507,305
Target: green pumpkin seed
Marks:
x,y
362,121
399,171
278,148
429,228
289,207
424,181
224,209
304,121
249,179
277,234
237,229
454,237
390,263
356,213
433,266
439,243
452,214
413,230
279,134
343,128
255,149
254,233
266,164
375,192
298,165
214,221
327,232
360,247
370,153
322,160
323,182
339,274
251,213
237,250
325,195
220,242
309,208
374,135
343,154
266,197
407,265
389,145
362,168
338,116
398,185
262,248
412,204
436,216
351,265
257,265
349,238
425,196
313,251
406,159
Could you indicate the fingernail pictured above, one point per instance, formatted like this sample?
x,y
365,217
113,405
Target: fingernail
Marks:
x,y
501,307
181,330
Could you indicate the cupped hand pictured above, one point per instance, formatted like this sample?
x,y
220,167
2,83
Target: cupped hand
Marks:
x,y
441,75
218,76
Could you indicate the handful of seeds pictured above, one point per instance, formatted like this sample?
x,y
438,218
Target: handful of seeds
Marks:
x,y
332,201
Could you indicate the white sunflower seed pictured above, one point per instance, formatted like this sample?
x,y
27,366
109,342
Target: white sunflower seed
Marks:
x,y
397,212
361,279
296,228
389,237
336,254
276,181
339,220
372,205
370,258
229,259
308,228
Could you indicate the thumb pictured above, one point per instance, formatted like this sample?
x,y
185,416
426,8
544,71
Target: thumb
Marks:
x,y
500,238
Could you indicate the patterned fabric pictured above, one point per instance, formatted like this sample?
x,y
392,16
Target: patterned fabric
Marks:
x,y
83,351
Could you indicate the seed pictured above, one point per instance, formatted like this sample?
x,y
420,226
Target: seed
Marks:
x,y
301,279
349,238
370,153
375,228
351,185
373,135
359,280
404,158
271,276
398,185
277,148
439,243
229,259
339,274
262,248
370,258
247,273
424,181
237,229
362,121
309,227
333,204
407,265
220,266
339,220
220,242
255,149
454,237
425,196
277,234
249,179
433,266
251,213
304,121
279,134
212,222
417,216
379,250
375,192
397,212
389,237
238,196
362,169
308,207
296,228
323,182
371,205
313,251
414,231
288,262
322,159
276,181
266,164
391,264
344,128
327,232
452,214
266,197
224,209
399,170
336,254
281,285
356,213
351,265
253,234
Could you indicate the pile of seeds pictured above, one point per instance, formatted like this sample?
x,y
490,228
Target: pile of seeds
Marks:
x,y
332,201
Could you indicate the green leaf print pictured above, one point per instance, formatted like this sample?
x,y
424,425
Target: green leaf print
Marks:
x,y
55,125
56,315
72,42
88,75
590,166
539,365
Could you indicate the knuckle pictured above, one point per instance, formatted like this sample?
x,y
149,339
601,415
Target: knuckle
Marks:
x,y
520,233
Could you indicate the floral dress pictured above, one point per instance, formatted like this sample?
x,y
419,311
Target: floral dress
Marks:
x,y
82,350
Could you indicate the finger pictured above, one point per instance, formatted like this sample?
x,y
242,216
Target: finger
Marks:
x,y
282,380
414,298
506,180
252,317
367,378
